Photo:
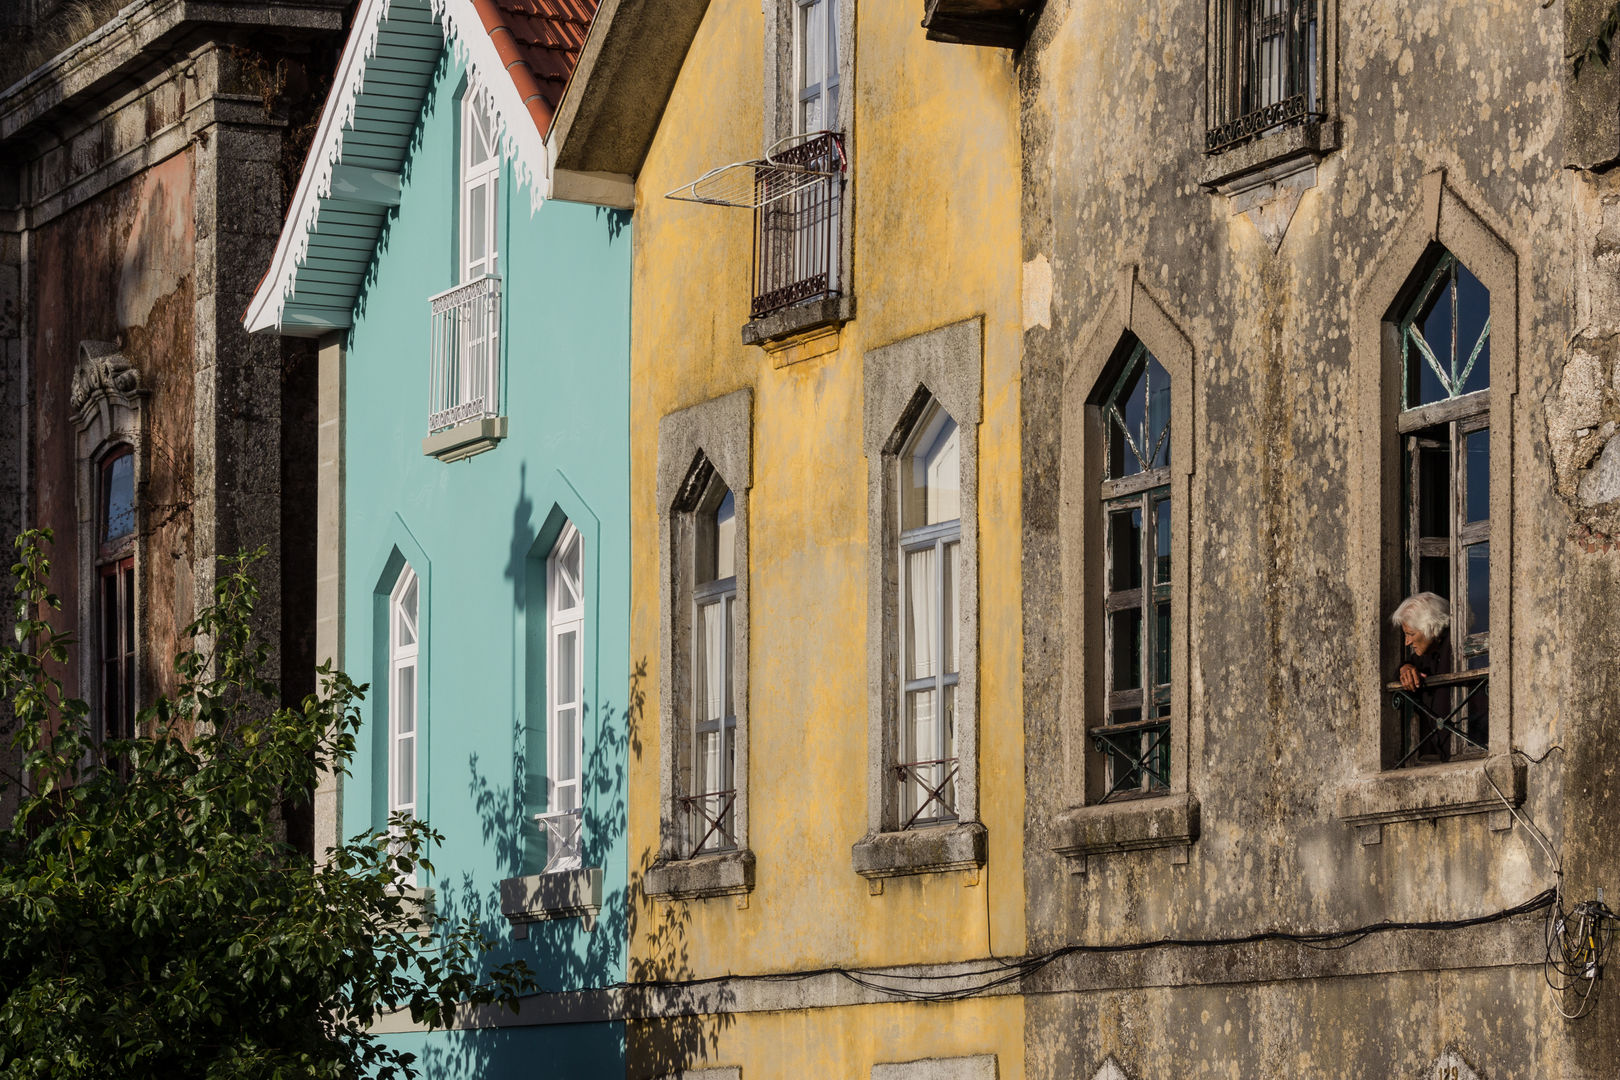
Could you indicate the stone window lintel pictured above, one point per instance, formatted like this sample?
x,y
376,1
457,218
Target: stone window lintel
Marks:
x,y
775,331
1128,825
725,873
465,439
1433,791
562,895
932,849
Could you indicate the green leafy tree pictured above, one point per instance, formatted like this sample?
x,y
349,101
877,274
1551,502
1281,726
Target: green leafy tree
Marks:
x,y
153,923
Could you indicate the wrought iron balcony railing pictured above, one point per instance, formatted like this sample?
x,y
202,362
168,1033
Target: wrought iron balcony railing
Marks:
x,y
1138,756
796,236
464,373
708,818
1264,69
1445,717
928,790
563,833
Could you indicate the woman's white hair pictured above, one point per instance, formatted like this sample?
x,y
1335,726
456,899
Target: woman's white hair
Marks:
x,y
1425,613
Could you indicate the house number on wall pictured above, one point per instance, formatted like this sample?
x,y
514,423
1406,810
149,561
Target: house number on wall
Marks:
x,y
1451,1066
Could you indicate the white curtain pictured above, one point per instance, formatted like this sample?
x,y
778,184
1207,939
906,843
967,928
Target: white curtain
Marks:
x,y
921,617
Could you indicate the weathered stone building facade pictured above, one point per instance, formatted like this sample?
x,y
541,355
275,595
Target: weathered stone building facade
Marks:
x,y
142,172
1278,280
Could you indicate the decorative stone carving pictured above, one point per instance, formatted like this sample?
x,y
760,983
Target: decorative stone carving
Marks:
x,y
102,369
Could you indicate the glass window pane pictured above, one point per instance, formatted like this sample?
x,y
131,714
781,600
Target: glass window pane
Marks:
x,y
709,763
565,673
405,700
725,538
920,614
404,773
118,511
951,630
407,605
1161,561
1130,408
1161,644
1156,445
931,484
731,629
1477,450
1125,549
1434,491
1125,645
1434,575
1437,324
1477,565
477,228
566,753
922,731
711,662
1473,338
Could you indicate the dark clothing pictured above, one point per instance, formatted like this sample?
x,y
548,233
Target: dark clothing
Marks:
x,y
1435,660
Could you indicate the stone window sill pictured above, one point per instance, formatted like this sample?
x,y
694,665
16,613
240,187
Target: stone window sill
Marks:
x,y
1269,157
1131,825
466,439
565,894
726,873
932,849
799,319
1433,791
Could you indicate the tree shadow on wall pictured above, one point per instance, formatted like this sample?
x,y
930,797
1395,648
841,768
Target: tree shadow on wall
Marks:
x,y
687,1034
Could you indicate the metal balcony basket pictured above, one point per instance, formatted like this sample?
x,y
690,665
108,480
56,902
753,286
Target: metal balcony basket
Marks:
x,y
750,185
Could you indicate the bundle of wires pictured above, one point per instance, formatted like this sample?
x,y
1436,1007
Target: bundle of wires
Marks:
x,y
1577,941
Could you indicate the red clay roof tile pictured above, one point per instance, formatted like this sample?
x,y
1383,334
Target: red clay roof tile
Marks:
x,y
539,42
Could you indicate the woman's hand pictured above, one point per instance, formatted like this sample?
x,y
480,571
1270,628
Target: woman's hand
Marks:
x,y
1410,679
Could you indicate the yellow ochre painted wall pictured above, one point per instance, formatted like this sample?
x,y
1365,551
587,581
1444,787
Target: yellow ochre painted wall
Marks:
x,y
935,190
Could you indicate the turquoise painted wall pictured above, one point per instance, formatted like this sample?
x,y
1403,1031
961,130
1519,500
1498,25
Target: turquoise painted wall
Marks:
x,y
478,533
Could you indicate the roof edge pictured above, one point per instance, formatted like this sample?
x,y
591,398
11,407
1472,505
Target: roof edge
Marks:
x,y
521,138
616,98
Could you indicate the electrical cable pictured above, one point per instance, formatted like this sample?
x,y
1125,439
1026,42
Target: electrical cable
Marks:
x,y
999,973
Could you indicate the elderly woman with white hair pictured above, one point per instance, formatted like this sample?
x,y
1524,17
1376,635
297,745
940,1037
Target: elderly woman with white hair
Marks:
x,y
1424,618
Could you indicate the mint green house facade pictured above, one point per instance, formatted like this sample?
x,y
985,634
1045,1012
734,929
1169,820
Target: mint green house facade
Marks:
x,y
473,335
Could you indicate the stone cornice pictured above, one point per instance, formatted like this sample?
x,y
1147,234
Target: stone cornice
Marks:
x,y
123,52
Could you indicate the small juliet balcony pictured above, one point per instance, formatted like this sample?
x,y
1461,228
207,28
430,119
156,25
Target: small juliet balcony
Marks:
x,y
464,370
562,832
798,218
709,822
1444,719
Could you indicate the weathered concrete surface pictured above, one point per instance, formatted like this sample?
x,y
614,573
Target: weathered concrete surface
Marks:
x,y
141,193
1277,718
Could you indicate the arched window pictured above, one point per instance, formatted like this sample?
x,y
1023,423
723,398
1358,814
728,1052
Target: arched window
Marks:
x,y
1135,494
930,587
1444,426
565,667
480,177
115,592
711,802
403,650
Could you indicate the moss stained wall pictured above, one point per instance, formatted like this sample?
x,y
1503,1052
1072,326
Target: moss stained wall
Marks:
x,y
934,197
1113,127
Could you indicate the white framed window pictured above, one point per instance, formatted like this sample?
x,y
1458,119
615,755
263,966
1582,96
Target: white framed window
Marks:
x,y
710,806
815,66
930,587
480,179
403,651
464,381
565,668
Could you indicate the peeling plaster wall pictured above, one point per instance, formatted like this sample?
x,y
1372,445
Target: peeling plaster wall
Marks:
x,y
84,290
1113,126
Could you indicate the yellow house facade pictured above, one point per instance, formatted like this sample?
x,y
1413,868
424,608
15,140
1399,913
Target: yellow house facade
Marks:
x,y
826,808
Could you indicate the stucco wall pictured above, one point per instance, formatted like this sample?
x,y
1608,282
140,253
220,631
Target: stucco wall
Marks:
x,y
1113,134
934,201
475,531
119,268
